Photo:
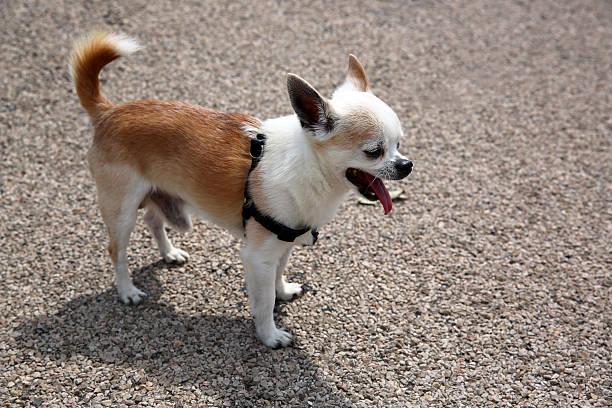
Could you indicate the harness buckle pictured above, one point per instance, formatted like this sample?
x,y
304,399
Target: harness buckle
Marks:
x,y
256,148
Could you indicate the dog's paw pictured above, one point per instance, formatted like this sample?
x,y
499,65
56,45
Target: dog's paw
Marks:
x,y
176,255
276,338
131,294
289,291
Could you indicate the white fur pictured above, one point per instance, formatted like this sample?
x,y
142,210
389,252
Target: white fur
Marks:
x,y
346,87
170,254
262,264
347,101
138,188
302,189
124,45
285,290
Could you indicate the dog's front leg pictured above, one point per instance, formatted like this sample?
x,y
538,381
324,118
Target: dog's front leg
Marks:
x,y
260,263
284,289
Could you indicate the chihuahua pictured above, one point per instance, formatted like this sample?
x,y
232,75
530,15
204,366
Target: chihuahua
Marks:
x,y
272,182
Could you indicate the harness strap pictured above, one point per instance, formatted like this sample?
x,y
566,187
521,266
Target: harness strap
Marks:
x,y
249,209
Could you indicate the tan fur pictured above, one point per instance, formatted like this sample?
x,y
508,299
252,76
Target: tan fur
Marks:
x,y
88,58
358,127
357,74
112,251
189,151
193,152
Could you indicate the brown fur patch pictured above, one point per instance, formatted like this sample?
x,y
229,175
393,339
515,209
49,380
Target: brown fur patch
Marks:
x,y
112,251
353,129
88,58
195,153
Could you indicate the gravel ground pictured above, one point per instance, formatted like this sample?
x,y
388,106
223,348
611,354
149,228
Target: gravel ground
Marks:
x,y
489,287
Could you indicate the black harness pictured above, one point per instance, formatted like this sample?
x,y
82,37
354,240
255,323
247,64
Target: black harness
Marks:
x,y
283,232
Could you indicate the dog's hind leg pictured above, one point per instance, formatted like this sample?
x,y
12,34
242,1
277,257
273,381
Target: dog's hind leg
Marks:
x,y
120,193
155,221
284,289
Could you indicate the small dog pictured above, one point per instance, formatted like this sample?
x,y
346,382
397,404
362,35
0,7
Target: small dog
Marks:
x,y
273,182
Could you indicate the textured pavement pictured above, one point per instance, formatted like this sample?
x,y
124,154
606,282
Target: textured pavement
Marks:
x,y
489,287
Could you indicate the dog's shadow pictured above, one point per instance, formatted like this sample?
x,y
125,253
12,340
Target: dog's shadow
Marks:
x,y
175,348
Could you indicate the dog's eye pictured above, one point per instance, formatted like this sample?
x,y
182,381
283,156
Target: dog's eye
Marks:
x,y
374,153
398,145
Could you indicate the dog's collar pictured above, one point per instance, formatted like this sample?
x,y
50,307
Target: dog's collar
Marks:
x,y
283,232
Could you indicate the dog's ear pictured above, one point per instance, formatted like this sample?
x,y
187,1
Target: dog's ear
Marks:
x,y
356,79
314,111
356,74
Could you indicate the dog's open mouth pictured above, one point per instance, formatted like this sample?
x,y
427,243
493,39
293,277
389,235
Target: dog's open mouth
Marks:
x,y
370,187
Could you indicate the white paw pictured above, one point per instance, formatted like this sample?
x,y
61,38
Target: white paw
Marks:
x,y
276,338
289,291
176,255
130,294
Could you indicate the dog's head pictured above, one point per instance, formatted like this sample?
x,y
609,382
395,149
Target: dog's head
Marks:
x,y
355,134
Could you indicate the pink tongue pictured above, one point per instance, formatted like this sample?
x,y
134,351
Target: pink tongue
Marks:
x,y
381,192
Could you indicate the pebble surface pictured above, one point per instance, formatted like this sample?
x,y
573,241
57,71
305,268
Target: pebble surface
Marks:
x,y
490,286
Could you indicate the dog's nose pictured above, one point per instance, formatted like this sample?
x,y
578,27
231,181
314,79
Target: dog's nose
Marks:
x,y
404,167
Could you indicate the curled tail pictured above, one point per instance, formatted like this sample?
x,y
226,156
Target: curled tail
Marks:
x,y
89,56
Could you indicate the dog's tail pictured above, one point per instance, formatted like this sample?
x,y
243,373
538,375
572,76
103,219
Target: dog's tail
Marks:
x,y
90,54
